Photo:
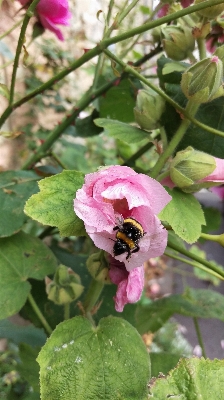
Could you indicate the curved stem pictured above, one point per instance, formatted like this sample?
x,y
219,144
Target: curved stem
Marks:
x,y
67,311
199,336
178,136
196,258
193,264
92,295
28,15
39,314
138,154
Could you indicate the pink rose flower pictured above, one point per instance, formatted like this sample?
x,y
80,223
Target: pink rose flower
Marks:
x,y
52,13
116,193
129,284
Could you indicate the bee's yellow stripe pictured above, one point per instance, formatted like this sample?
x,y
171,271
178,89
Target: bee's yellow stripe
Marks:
x,y
136,224
129,242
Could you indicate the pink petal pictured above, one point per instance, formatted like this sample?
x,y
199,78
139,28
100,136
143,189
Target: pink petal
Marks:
x,y
218,174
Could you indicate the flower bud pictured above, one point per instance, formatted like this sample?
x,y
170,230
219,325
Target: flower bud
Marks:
x,y
65,287
189,167
149,108
97,266
178,42
220,54
210,12
202,82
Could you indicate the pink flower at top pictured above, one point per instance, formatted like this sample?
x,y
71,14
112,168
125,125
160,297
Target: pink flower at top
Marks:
x,y
116,193
52,13
129,284
165,8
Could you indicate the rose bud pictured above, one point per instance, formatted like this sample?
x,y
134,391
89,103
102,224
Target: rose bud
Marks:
x,y
178,42
149,108
202,82
65,286
97,266
210,12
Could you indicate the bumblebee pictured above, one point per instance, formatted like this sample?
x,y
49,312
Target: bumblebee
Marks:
x,y
129,232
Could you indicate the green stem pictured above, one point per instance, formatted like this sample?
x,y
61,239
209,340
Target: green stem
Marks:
x,y
21,41
196,258
11,29
201,48
193,264
214,238
39,314
104,44
67,311
138,154
68,120
191,108
163,137
199,336
163,175
92,295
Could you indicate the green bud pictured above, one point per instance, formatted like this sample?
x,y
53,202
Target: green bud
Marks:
x,y
178,41
97,266
210,12
220,54
202,82
149,108
65,286
190,166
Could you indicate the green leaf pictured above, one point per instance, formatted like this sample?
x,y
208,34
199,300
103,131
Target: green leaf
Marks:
x,y
169,339
125,132
15,188
82,362
29,368
193,303
85,127
21,257
4,91
27,334
118,102
163,362
192,379
184,214
53,205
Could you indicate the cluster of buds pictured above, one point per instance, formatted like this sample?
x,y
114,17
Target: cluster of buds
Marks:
x,y
65,286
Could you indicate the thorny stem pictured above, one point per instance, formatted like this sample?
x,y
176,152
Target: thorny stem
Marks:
x,y
39,314
28,15
199,336
98,49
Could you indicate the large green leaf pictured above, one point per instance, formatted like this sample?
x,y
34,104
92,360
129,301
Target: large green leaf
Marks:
x,y
18,334
118,102
82,362
192,379
15,188
119,130
53,205
193,303
184,214
163,362
21,257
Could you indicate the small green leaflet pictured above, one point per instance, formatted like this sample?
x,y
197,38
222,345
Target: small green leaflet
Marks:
x,y
184,214
53,205
119,130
